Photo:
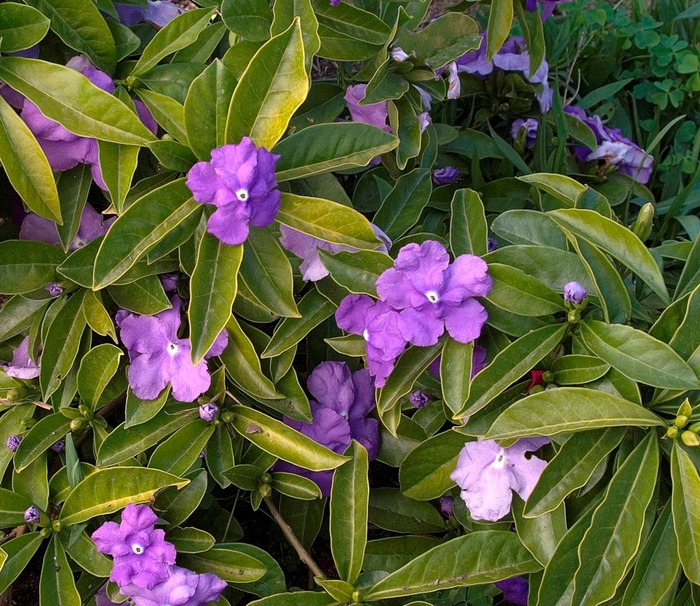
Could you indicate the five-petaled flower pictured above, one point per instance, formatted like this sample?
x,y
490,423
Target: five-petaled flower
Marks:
x,y
486,473
240,181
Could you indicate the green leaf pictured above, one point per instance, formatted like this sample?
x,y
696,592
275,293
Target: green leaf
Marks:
x,y
181,450
282,441
455,373
96,315
178,505
348,513
425,472
561,187
270,90
327,221
190,540
144,296
65,95
314,308
356,271
638,356
391,510
402,208
614,535
500,22
108,490
297,598
84,552
21,26
295,486
404,122
19,313
335,146
267,273
686,511
392,553
519,293
566,410
168,113
615,239
206,109
179,33
521,226
510,364
228,563
145,223
19,551
61,344
73,188
122,161
474,559
468,229
81,26
250,19
212,291
40,437
26,265
284,14
25,164
12,507
57,584
577,369
571,468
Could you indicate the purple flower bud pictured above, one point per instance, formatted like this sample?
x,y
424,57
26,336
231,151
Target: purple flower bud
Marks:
x,y
445,176
446,506
527,129
13,442
492,244
419,399
53,289
208,412
574,292
32,515
424,120
59,446
515,589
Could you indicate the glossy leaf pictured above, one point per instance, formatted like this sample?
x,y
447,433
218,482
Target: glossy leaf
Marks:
x,y
561,187
40,438
168,113
521,226
569,409
144,296
686,511
270,90
283,16
334,146
401,209
19,313
12,507
576,369
356,271
26,266
295,486
455,373
227,563
638,356
540,534
108,490
500,22
190,539
178,504
84,552
468,229
297,598
391,510
250,19
21,27
19,551
181,450
57,584
477,558
517,292
391,553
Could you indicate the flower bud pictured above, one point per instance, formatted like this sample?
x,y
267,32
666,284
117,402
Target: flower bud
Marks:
x,y
265,490
227,416
574,292
685,409
32,515
208,412
690,439
59,446
574,316
266,478
680,421
642,226
13,442
672,432
419,399
53,288
78,424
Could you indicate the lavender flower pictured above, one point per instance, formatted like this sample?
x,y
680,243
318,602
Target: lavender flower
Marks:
x,y
574,292
159,357
92,225
158,13
446,506
424,120
13,442
306,247
486,473
32,515
525,131
340,414
419,399
454,86
547,6
53,288
208,412
182,587
378,324
240,181
514,590
376,114
433,295
22,366
613,148
58,446
445,175
141,553
478,362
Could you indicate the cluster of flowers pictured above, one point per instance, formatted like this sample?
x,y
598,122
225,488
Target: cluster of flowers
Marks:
x,y
144,563
340,414
419,298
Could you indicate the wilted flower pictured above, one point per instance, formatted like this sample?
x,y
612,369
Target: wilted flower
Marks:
x,y
240,181
92,225
574,292
340,414
454,86
486,473
22,366
32,515
158,356
433,295
141,553
13,442
208,412
182,587
445,175
378,324
514,590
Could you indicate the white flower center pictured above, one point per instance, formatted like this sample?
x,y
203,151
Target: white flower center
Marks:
x,y
500,460
173,348
242,194
137,549
365,335
432,296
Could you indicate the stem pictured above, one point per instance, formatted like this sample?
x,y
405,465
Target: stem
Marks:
x,y
287,531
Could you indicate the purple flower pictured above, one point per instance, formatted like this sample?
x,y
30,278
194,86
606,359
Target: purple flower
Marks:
x,y
419,399
454,86
424,120
53,288
306,247
478,362
141,553
158,13
433,295
13,442
340,414
240,181
32,515
169,282
217,348
574,292
58,446
445,175
613,148
102,599
22,366
525,130
376,114
92,225
182,587
208,412
547,6
446,506
378,324
514,590
159,357
491,244
486,473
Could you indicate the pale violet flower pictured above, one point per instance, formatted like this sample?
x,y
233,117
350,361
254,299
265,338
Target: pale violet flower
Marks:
x,y
182,587
32,515
208,412
22,366
487,472
574,292
445,175
424,121
525,131
376,114
92,225
158,13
